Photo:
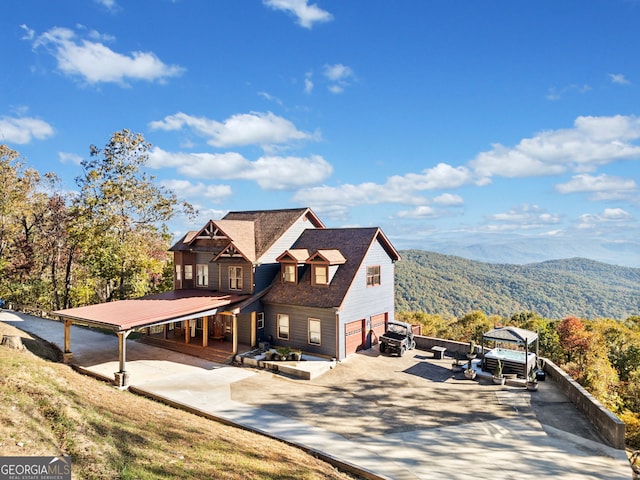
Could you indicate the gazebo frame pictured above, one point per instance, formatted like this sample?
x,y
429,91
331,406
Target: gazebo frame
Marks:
x,y
516,335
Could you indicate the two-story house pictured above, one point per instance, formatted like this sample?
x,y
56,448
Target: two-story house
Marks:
x,y
277,276
238,256
335,292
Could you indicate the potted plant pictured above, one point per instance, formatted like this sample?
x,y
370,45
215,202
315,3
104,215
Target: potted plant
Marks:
x,y
295,355
456,366
532,380
283,353
472,350
498,377
470,373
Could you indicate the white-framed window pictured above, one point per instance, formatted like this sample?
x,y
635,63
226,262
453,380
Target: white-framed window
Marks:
x,y
188,272
373,276
320,275
283,326
235,278
202,275
315,335
289,272
178,272
260,320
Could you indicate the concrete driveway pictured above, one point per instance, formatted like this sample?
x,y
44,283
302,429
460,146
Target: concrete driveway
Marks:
x,y
388,417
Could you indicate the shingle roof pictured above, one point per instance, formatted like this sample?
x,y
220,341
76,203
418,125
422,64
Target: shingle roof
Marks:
x,y
271,224
353,243
252,232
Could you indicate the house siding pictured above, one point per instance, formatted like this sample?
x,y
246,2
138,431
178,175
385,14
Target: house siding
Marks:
x,y
299,328
244,328
264,275
286,240
364,302
247,275
204,259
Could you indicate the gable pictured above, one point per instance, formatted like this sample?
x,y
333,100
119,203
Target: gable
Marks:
x,y
352,245
271,225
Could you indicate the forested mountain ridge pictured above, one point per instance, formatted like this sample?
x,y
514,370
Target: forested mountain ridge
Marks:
x,y
452,286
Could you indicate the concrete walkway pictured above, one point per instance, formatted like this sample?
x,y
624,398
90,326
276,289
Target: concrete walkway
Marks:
x,y
415,421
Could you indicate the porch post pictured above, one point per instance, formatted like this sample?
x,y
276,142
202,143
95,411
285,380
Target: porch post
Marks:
x,y
234,332
187,332
205,331
122,377
67,355
254,329
166,331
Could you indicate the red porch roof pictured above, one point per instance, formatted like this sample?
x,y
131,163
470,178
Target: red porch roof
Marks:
x,y
150,310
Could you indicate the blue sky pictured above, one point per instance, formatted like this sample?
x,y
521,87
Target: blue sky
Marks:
x,y
491,129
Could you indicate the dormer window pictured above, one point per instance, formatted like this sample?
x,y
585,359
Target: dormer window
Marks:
x,y
289,264
289,271
320,275
324,265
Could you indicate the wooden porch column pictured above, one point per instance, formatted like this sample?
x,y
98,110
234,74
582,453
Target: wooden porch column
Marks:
x,y
122,377
187,332
205,331
166,331
234,333
254,328
67,355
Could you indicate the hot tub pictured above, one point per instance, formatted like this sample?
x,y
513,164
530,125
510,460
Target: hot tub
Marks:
x,y
513,361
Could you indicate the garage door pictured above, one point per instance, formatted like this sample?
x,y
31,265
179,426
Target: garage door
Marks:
x,y
378,326
354,336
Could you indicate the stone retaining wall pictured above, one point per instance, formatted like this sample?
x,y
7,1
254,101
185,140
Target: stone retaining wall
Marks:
x,y
608,425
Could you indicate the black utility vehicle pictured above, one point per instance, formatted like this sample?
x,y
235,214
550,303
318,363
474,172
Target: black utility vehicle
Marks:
x,y
398,339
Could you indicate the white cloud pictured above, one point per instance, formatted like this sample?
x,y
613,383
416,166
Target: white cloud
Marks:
x,y
397,189
110,5
308,82
306,14
66,157
591,221
29,33
557,93
602,187
339,76
187,189
619,79
22,130
448,199
253,128
594,141
269,172
96,63
270,97
421,211
523,217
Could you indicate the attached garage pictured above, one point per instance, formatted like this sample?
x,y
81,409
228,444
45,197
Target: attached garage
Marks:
x,y
378,327
354,333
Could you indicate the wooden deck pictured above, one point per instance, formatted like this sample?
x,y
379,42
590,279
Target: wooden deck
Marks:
x,y
217,351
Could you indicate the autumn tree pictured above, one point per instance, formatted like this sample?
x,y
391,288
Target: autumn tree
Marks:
x,y
120,218
574,339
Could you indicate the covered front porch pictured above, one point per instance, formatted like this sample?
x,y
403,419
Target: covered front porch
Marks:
x,y
210,337
196,322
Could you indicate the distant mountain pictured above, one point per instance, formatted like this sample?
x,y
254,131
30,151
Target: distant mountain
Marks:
x,y
493,248
452,286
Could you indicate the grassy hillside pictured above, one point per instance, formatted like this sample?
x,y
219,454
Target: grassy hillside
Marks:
x,y
48,409
452,286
